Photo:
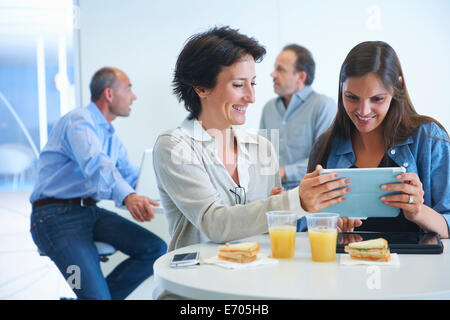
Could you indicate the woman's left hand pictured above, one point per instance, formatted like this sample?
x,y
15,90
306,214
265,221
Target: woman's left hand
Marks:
x,y
347,225
410,200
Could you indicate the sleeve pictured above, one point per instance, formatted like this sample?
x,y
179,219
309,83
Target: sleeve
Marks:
x,y
440,173
262,122
127,169
324,117
296,171
322,120
182,175
96,166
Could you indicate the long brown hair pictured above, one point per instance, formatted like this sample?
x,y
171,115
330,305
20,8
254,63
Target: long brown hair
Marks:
x,y
400,122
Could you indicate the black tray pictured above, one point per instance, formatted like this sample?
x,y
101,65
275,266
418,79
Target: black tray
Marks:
x,y
399,242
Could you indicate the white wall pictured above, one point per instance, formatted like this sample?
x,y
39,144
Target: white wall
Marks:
x,y
144,38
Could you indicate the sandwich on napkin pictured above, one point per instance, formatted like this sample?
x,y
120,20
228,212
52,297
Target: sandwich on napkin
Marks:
x,y
374,250
239,252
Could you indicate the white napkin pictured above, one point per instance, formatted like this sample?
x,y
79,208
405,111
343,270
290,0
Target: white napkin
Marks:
x,y
261,259
346,260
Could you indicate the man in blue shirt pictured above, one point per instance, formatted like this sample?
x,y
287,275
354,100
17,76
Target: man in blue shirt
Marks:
x,y
83,162
298,116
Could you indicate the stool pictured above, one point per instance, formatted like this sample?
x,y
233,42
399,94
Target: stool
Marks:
x,y
104,250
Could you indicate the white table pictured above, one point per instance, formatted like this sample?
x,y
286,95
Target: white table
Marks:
x,y
417,277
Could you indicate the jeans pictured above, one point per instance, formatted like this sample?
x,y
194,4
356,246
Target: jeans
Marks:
x,y
66,233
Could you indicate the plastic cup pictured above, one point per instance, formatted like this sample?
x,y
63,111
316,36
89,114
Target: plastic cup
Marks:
x,y
282,232
322,231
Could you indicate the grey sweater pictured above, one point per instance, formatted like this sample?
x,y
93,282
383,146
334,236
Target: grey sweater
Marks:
x,y
195,186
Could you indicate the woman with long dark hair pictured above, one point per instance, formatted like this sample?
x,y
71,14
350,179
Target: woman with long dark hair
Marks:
x,y
377,126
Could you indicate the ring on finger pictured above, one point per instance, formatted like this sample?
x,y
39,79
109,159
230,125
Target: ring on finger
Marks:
x,y
410,199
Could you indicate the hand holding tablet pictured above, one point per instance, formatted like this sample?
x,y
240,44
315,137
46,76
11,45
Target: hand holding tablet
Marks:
x,y
319,191
358,193
410,200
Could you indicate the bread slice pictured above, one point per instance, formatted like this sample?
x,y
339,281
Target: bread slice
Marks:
x,y
379,243
240,252
373,250
237,258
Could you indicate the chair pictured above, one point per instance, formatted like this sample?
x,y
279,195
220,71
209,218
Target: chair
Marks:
x,y
15,159
104,250
146,183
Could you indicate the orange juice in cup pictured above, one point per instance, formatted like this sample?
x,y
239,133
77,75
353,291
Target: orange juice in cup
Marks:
x,y
322,231
282,232
323,244
282,241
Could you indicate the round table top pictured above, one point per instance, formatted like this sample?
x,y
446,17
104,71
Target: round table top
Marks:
x,y
425,276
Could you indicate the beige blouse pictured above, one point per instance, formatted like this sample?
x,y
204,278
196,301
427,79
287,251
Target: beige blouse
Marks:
x,y
196,189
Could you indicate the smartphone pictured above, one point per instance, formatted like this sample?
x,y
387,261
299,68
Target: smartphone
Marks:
x,y
185,259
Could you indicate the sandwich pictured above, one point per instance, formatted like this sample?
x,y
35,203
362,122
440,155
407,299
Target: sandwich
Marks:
x,y
240,252
373,250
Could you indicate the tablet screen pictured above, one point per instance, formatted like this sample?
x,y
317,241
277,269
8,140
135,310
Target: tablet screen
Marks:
x,y
364,199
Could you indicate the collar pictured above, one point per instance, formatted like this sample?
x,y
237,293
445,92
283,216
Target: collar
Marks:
x,y
194,129
409,140
345,145
297,100
304,93
242,136
99,118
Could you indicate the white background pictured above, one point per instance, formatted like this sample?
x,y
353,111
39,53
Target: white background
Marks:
x,y
144,38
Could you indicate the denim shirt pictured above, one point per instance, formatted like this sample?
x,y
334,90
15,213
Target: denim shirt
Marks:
x,y
426,153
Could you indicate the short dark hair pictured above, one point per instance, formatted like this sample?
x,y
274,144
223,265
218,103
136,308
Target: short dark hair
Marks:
x,y
204,56
102,79
305,61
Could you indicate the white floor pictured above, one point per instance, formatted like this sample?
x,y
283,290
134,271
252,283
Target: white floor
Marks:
x,y
26,275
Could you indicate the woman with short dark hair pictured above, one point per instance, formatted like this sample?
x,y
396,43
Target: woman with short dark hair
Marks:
x,y
377,126
204,56
216,180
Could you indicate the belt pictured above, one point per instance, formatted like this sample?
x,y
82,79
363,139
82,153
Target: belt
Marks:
x,y
83,202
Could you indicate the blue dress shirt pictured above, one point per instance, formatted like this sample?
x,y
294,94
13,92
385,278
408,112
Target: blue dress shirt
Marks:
x,y
308,115
426,153
84,158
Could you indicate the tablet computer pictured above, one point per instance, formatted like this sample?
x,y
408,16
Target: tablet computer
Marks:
x,y
398,242
364,199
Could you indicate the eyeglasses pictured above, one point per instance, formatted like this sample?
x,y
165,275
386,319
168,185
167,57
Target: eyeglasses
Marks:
x,y
239,195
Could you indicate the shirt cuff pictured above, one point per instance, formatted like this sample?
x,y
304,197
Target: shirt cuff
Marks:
x,y
121,191
294,202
